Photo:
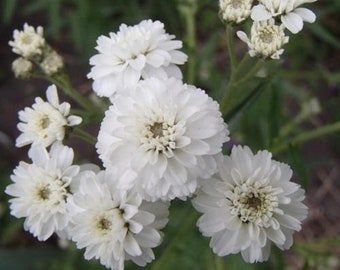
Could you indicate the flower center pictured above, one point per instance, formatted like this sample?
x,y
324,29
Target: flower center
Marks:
x,y
253,203
266,35
104,224
44,193
236,3
157,130
45,122
53,193
111,222
159,135
26,39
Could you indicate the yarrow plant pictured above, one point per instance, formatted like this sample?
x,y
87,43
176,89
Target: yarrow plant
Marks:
x,y
42,190
159,140
249,204
133,53
45,122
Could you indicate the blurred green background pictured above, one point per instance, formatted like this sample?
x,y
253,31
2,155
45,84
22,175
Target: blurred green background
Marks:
x,y
310,67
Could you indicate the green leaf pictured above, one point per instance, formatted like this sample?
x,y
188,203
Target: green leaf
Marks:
x,y
324,35
245,97
8,10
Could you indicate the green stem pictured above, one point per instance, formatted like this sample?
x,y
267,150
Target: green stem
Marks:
x,y
219,261
78,132
231,48
63,82
234,82
189,13
306,136
250,74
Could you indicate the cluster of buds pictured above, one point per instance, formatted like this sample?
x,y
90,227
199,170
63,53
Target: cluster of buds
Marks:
x,y
270,20
35,55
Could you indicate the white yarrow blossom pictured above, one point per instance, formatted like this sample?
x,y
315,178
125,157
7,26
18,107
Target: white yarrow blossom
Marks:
x,y
266,39
167,132
45,122
29,42
115,225
235,11
291,15
249,204
22,68
134,52
41,190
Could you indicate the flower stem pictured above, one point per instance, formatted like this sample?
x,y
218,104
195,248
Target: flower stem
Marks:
x,y
219,262
231,48
306,136
64,82
188,10
236,79
78,132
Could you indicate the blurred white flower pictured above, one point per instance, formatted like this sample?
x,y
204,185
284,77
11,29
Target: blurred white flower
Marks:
x,y
51,63
249,204
167,132
266,39
115,225
135,52
29,42
291,15
235,11
45,122
22,68
41,190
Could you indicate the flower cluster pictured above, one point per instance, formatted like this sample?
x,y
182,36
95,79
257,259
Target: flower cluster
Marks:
x,y
160,140
36,56
270,20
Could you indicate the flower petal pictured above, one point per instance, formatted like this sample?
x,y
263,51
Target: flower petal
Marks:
x,y
260,13
293,22
306,14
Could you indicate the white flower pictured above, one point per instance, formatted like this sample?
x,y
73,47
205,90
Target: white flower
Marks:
x,y
52,63
29,42
135,52
266,40
22,68
45,122
41,190
249,204
167,132
235,10
115,225
291,15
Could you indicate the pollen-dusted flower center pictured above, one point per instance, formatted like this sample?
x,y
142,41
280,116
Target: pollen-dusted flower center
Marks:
x,y
110,222
45,122
44,193
26,38
54,192
253,203
104,224
159,135
157,130
266,35
236,3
